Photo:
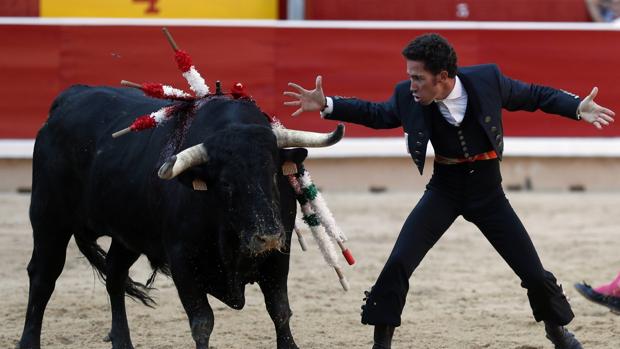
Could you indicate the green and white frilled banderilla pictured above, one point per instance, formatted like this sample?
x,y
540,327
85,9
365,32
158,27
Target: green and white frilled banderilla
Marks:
x,y
321,222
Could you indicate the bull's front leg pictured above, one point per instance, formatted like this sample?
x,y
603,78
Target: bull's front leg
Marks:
x,y
187,278
273,284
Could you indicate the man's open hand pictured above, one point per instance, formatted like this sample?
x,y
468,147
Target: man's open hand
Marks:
x,y
306,100
594,113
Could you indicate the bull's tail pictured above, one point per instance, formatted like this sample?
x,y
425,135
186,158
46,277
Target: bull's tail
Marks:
x,y
96,256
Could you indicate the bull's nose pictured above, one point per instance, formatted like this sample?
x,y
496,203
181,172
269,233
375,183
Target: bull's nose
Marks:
x,y
264,243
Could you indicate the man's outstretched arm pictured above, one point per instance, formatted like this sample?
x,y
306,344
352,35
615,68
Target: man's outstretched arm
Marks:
x,y
370,114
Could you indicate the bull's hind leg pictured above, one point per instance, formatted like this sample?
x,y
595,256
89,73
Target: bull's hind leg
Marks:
x,y
118,262
193,295
46,264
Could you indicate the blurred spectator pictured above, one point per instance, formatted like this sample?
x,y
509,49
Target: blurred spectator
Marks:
x,y
462,10
604,10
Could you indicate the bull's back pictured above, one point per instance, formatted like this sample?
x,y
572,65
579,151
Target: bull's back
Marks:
x,y
75,147
85,114
83,118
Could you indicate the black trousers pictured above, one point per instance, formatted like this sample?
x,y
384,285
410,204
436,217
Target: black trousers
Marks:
x,y
473,191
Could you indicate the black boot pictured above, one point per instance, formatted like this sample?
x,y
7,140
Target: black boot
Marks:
x,y
383,337
561,337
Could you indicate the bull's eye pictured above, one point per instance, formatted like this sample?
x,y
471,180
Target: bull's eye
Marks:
x,y
226,188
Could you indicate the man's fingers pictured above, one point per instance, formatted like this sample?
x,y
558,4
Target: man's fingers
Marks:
x,y
297,112
319,83
594,92
297,87
602,121
590,98
293,103
588,102
606,117
608,112
597,125
292,94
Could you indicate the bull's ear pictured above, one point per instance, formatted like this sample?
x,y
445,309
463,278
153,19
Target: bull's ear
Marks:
x,y
292,159
296,155
192,179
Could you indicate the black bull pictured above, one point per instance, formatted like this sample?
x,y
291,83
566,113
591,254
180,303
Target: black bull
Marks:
x,y
87,184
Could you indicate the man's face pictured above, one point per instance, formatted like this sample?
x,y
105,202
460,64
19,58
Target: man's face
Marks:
x,y
424,86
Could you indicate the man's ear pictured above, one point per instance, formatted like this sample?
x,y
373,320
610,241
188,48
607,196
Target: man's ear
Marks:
x,y
443,75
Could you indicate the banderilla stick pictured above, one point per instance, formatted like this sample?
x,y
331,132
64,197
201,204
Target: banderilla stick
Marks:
x,y
170,39
300,238
131,84
127,129
342,278
121,132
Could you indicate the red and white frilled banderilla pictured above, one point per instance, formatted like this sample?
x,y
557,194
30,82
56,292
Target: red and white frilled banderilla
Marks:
x,y
196,83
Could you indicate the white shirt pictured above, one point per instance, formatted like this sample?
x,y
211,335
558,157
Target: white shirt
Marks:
x,y
452,107
329,108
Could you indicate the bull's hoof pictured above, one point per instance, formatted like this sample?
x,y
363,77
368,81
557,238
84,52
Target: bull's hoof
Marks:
x,y
123,346
290,346
21,345
118,344
286,343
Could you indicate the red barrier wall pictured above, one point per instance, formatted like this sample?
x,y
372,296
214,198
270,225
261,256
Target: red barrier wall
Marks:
x,y
450,10
19,8
38,61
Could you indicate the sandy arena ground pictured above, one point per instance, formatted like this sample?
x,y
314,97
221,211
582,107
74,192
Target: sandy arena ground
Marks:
x,y
463,295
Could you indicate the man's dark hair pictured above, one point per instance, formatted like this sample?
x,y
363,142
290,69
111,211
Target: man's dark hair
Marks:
x,y
435,51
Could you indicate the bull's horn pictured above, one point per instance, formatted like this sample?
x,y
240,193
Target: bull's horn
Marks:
x,y
189,157
293,138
